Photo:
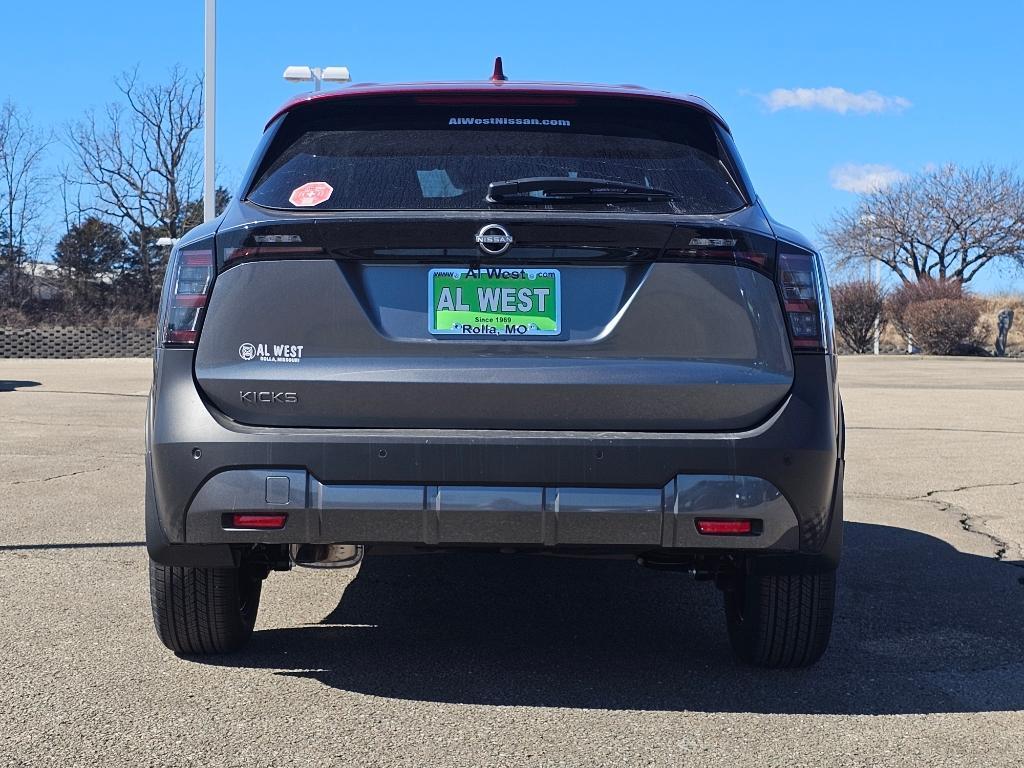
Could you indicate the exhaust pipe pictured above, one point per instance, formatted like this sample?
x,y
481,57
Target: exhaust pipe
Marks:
x,y
326,555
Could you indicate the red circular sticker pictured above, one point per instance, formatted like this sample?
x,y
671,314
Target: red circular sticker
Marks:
x,y
311,193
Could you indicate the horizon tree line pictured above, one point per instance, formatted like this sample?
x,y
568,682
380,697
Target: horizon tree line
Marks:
x,y
133,174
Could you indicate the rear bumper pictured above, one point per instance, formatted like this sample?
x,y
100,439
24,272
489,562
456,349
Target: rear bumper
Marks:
x,y
499,515
540,488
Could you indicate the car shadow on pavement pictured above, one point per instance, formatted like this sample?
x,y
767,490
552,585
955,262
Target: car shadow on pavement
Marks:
x,y
921,628
9,385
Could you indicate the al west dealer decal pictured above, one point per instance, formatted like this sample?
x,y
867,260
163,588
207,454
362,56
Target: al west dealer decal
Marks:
x,y
271,353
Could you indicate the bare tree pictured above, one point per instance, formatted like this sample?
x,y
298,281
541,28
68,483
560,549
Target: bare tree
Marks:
x,y
71,191
140,162
22,186
944,224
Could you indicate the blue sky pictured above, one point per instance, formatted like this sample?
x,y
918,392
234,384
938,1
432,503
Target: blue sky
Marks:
x,y
943,80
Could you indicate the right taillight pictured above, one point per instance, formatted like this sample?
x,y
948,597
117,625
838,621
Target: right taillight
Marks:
x,y
187,285
801,283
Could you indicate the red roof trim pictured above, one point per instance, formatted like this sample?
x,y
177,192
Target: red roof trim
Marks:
x,y
496,87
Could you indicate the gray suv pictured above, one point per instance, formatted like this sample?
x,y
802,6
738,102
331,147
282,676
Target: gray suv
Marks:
x,y
496,316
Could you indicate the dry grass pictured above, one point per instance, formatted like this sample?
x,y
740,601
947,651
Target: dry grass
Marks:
x,y
988,325
99,318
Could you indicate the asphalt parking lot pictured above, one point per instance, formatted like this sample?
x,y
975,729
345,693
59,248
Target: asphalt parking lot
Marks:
x,y
474,661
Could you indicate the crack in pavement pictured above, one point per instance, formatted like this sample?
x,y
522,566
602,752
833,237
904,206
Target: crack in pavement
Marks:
x,y
58,477
927,496
972,487
968,522
976,525
9,420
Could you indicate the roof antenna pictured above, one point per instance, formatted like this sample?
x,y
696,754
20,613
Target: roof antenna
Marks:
x,y
499,73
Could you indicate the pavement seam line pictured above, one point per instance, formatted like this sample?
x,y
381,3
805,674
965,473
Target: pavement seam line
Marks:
x,y
72,392
939,429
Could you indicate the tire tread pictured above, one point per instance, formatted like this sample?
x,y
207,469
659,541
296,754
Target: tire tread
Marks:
x,y
198,611
782,620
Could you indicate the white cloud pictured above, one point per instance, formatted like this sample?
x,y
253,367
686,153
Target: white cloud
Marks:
x,y
864,178
833,99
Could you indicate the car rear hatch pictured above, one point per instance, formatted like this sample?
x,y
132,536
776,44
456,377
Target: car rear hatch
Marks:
x,y
366,283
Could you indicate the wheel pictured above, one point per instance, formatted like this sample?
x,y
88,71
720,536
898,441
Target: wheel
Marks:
x,y
781,620
203,610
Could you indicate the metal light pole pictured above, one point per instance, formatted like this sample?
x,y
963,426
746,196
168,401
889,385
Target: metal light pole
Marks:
x,y
209,112
878,320
874,277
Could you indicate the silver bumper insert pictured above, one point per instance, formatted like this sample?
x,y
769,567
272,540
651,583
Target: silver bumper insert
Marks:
x,y
660,517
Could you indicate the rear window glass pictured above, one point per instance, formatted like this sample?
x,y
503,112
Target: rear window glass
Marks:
x,y
396,154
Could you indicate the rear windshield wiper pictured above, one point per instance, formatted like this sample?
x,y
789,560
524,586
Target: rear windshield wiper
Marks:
x,y
569,189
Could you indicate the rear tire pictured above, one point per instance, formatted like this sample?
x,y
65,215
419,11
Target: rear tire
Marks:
x,y
203,610
781,620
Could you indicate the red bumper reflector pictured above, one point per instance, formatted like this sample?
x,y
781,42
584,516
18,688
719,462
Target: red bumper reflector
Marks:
x,y
718,527
258,521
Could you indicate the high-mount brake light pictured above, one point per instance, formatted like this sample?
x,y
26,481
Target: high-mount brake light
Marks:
x,y
189,278
504,100
801,296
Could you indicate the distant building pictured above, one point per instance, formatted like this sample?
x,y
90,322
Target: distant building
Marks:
x,y
44,280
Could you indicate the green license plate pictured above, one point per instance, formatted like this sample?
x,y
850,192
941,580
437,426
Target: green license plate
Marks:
x,y
494,301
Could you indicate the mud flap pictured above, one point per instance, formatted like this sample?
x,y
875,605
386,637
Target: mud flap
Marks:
x,y
162,551
817,562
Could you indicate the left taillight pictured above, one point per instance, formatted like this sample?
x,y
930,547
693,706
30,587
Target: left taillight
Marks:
x,y
190,272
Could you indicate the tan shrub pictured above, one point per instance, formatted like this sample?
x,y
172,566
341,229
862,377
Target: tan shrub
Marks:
x,y
942,326
901,298
856,304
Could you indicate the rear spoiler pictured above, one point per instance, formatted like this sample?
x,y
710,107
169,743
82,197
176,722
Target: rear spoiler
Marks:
x,y
496,93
